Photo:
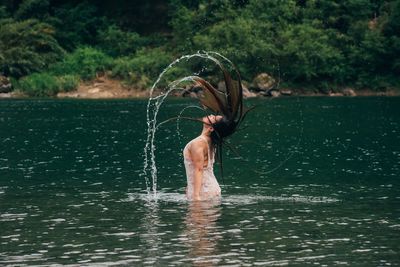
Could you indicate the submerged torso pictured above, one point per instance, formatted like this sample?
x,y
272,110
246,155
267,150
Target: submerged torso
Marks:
x,y
209,187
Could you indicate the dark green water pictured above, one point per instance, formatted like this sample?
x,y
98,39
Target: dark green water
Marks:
x,y
318,185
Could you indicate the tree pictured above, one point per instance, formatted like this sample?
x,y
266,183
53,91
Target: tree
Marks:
x,y
306,54
27,46
32,9
77,24
116,42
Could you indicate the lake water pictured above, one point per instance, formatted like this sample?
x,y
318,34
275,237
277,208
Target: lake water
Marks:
x,y
317,184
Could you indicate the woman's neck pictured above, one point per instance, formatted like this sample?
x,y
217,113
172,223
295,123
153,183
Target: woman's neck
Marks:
x,y
206,134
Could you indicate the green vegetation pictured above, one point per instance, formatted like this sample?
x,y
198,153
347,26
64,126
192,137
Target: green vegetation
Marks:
x,y
141,67
27,46
45,84
325,44
116,42
84,62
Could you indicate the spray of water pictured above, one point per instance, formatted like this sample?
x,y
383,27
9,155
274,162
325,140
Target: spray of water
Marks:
x,y
153,106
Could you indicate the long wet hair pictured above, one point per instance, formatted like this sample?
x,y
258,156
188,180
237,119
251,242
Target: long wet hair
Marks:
x,y
229,104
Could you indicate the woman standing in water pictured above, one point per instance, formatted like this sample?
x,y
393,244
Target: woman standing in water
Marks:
x,y
199,160
200,153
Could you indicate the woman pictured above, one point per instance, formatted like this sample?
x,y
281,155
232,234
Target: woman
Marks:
x,y
199,160
199,154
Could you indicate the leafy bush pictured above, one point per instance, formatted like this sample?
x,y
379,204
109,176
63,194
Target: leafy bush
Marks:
x,y
85,62
244,41
151,61
27,46
46,85
144,66
116,42
68,83
39,85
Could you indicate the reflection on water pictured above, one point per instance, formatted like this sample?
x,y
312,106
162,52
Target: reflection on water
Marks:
x,y
150,233
202,232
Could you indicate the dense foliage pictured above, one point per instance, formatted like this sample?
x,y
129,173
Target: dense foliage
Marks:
x,y
27,46
45,84
317,44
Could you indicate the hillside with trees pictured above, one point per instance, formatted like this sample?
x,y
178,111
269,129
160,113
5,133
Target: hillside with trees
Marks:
x,y
48,46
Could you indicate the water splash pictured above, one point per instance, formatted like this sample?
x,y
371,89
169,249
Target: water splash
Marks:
x,y
231,199
153,106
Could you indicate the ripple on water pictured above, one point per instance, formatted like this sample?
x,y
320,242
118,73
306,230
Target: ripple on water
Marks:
x,y
2,189
252,199
8,217
257,225
230,199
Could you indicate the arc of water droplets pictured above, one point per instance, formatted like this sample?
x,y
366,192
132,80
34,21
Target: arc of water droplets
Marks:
x,y
180,114
152,126
151,131
149,150
178,118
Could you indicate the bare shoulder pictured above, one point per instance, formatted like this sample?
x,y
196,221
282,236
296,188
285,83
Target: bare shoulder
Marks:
x,y
198,146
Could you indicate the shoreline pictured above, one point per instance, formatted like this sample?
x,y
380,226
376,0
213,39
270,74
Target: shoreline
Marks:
x,y
106,88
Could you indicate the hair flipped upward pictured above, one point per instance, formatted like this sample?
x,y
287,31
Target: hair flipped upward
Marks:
x,y
227,103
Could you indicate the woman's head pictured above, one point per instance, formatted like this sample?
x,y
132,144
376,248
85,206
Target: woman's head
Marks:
x,y
210,120
219,127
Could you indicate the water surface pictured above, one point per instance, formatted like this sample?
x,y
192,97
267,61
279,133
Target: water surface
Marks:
x,y
316,184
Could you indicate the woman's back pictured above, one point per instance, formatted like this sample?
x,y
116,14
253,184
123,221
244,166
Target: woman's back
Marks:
x,y
209,185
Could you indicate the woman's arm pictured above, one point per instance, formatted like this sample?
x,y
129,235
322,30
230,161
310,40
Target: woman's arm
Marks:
x,y
197,155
